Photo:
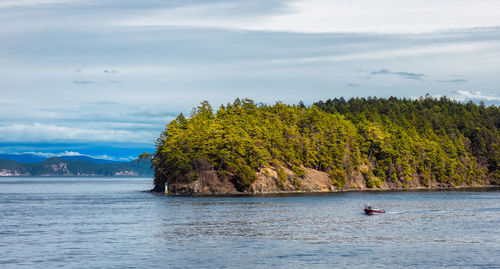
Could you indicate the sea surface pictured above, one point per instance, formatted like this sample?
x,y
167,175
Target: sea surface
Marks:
x,y
116,223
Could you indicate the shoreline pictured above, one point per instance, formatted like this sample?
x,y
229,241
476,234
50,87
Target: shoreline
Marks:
x,y
328,192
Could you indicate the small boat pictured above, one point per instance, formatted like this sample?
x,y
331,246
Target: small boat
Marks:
x,y
372,210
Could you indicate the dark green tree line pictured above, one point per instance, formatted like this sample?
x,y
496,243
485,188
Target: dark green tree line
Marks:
x,y
391,140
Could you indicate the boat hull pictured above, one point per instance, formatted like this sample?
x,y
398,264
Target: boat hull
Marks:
x,y
373,211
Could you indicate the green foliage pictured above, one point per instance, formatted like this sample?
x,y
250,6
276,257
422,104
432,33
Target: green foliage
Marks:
x,y
496,178
282,178
438,139
275,163
297,183
373,181
143,158
223,174
395,139
299,172
338,177
243,177
370,180
379,172
394,177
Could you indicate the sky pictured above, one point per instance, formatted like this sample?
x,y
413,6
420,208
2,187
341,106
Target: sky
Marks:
x,y
103,78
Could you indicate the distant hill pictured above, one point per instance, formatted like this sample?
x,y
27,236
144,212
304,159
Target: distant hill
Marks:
x,y
65,167
88,159
31,158
13,168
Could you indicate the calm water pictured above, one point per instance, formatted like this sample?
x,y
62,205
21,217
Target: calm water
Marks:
x,y
113,223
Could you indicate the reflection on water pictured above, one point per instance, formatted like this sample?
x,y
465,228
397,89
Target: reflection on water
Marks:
x,y
113,223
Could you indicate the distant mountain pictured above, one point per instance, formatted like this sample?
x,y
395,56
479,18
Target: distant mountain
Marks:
x,y
87,158
64,167
31,158
13,168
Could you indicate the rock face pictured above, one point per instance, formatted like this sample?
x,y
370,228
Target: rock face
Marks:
x,y
126,173
267,182
314,181
12,173
208,183
60,168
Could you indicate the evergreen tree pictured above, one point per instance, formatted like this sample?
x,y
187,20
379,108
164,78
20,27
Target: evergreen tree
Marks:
x,y
385,140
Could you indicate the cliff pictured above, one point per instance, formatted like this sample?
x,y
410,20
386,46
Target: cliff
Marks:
x,y
268,182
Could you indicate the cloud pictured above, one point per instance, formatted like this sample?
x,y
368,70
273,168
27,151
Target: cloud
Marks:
x,y
153,113
322,16
21,3
453,80
164,57
405,75
73,153
109,151
382,72
206,14
123,159
297,16
384,16
462,95
82,82
408,75
70,153
50,154
40,132
112,114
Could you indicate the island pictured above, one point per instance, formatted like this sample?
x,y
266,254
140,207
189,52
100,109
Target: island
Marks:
x,y
357,144
71,166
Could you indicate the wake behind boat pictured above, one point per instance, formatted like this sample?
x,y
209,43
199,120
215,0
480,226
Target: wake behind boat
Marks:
x,y
372,210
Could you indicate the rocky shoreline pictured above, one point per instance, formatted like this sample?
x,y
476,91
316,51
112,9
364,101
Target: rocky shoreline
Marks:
x,y
307,193
267,182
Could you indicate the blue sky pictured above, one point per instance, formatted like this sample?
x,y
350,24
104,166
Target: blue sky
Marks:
x,y
102,78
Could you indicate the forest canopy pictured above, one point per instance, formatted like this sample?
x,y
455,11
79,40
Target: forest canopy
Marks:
x,y
384,140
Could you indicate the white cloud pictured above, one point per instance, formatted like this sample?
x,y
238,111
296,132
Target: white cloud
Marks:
x,y
463,95
48,44
21,3
70,153
391,53
73,153
39,132
103,157
50,154
384,16
322,16
125,159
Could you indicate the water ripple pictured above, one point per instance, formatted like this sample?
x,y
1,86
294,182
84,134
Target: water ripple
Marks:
x,y
113,223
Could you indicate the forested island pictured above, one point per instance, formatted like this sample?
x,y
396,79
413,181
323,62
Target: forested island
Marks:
x,y
70,166
361,143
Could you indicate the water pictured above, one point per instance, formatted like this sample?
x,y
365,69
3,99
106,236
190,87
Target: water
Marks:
x,y
113,223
